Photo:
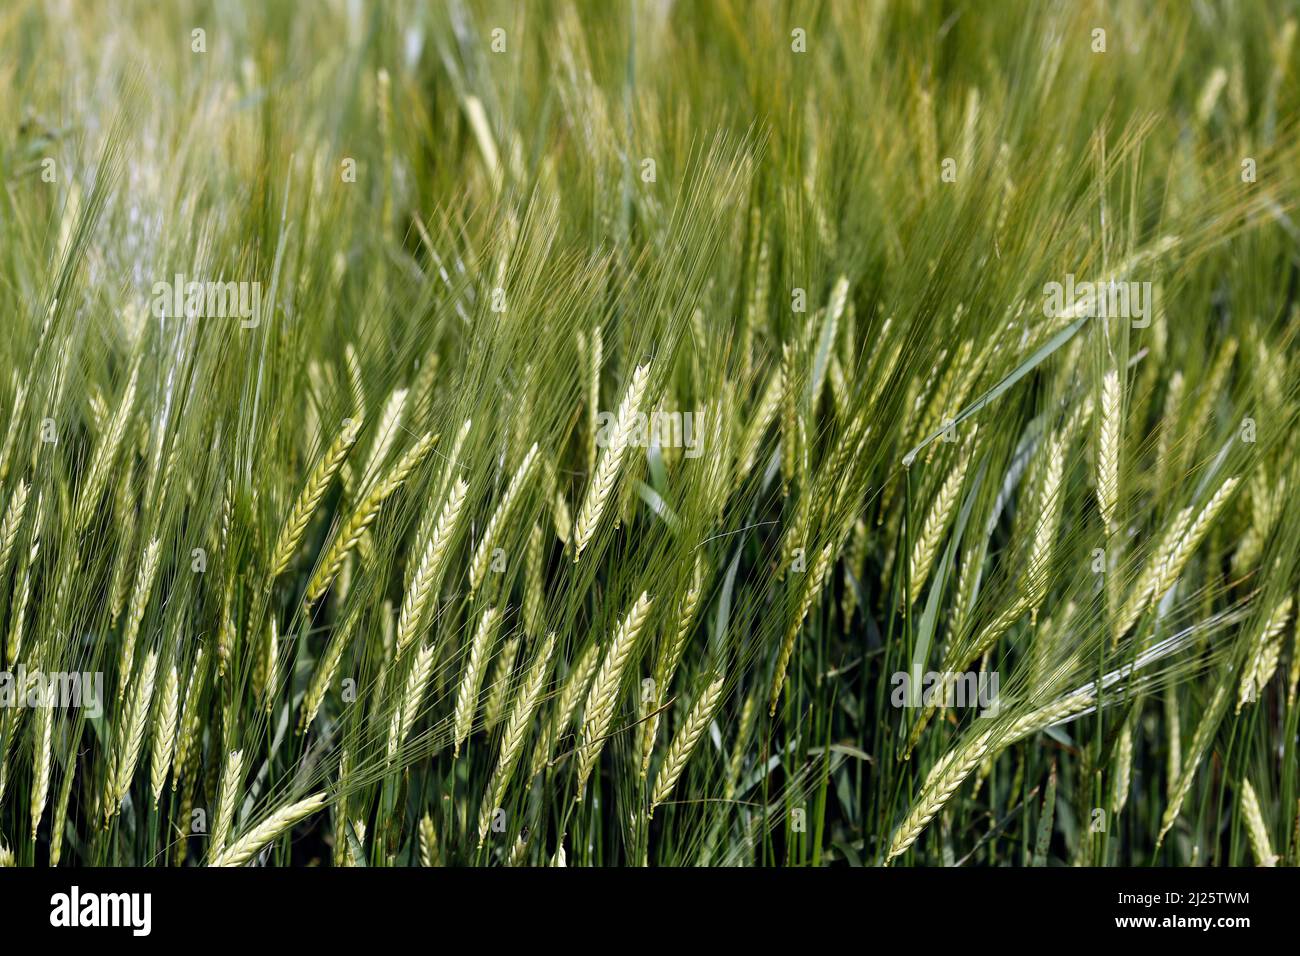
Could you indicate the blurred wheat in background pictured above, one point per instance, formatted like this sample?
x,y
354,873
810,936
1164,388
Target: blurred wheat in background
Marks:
x,y
551,433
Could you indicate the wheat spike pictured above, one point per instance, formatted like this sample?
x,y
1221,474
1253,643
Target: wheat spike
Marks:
x,y
164,733
515,732
670,653
957,764
789,418
135,614
1176,548
270,666
467,694
390,424
105,450
41,763
483,553
131,736
14,649
1265,653
309,498
417,680
1050,500
243,849
764,412
684,741
575,688
323,676
936,522
449,474
347,536
604,479
603,696
13,519
428,842
57,823
595,358
812,588
499,684
1123,769
1108,447
232,776
429,569
533,584
187,735
748,714
1205,729
1260,845
560,515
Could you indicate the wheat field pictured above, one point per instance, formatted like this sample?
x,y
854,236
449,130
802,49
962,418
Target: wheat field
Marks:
x,y
649,433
